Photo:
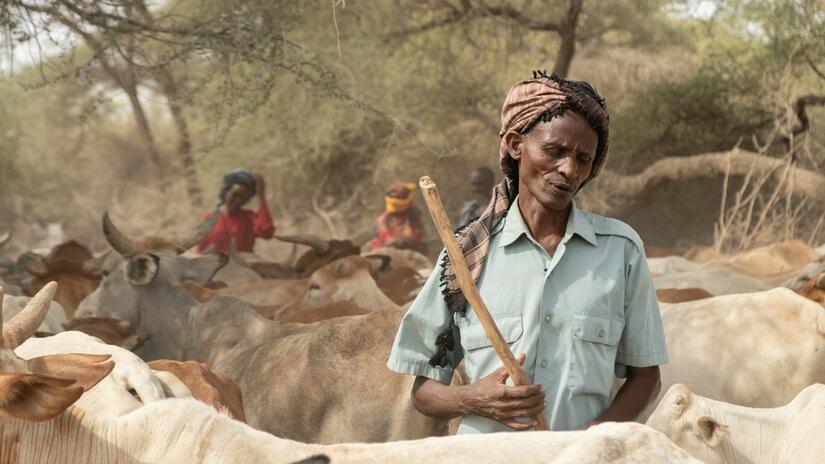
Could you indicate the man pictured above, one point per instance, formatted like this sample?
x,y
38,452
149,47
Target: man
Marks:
x,y
570,291
399,225
482,181
236,224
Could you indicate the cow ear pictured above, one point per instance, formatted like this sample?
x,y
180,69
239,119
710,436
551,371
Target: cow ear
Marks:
x,y
33,263
709,430
86,370
380,263
36,397
142,268
133,342
203,268
820,281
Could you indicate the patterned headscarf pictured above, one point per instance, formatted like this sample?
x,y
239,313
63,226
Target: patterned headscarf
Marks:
x,y
540,98
399,197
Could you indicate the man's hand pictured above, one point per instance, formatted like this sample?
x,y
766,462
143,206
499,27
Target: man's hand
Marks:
x,y
490,397
260,186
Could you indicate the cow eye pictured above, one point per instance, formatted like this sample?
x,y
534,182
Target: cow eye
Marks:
x,y
314,287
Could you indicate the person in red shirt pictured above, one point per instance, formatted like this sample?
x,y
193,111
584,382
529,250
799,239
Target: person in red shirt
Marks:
x,y
399,225
235,223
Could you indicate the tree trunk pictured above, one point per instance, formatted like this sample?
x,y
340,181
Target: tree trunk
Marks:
x,y
616,194
567,34
170,89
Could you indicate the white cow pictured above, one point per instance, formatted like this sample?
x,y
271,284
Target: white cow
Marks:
x,y
756,349
716,280
671,265
718,432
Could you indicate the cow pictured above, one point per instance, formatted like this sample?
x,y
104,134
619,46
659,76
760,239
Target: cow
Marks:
x,y
204,384
769,345
59,408
71,265
108,330
718,432
680,295
715,280
670,265
299,381
403,258
321,252
772,263
814,289
53,321
346,279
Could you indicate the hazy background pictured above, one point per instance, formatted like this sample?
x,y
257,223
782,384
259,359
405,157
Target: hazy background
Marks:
x,y
139,107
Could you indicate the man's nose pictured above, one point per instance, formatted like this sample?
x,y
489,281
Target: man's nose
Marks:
x,y
567,167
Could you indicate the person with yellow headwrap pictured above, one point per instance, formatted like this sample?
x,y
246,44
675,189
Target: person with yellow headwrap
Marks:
x,y
399,225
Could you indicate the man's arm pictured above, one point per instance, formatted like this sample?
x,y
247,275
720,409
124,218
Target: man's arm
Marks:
x,y
641,387
488,397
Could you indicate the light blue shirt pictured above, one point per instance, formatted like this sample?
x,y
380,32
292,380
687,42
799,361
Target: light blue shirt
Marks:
x,y
580,316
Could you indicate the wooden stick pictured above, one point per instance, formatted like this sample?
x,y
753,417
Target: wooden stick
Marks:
x,y
468,287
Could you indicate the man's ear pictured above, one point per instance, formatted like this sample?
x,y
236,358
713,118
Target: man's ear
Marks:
x,y
142,268
514,142
709,430
36,397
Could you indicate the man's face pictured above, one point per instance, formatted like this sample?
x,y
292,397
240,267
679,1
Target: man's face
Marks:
x,y
237,196
555,158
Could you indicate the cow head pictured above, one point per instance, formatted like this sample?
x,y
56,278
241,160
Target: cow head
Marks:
x,y
151,263
71,265
42,388
686,419
346,279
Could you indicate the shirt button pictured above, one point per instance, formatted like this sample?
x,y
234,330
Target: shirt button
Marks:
x,y
543,363
547,318
601,333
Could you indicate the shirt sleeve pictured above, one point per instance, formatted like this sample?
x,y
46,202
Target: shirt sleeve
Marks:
x,y
262,222
414,343
643,340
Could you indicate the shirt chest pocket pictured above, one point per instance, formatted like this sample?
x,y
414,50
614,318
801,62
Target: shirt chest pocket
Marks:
x,y
474,337
594,343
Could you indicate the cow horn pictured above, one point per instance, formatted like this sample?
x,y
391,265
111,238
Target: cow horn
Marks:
x,y
361,239
316,243
4,239
93,266
118,241
25,323
203,230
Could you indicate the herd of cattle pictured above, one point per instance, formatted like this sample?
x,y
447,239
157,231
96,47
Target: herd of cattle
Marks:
x,y
146,353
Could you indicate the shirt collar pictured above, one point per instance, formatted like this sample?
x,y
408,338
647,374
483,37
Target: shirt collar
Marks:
x,y
577,223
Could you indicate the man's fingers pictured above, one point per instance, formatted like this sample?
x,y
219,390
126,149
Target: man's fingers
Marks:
x,y
528,412
524,403
521,358
523,391
516,425
501,375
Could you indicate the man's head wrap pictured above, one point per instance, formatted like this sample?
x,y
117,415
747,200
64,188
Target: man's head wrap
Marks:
x,y
538,99
236,177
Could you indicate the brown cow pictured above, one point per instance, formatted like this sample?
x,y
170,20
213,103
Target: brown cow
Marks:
x,y
321,252
680,295
814,289
298,315
206,385
110,331
71,265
